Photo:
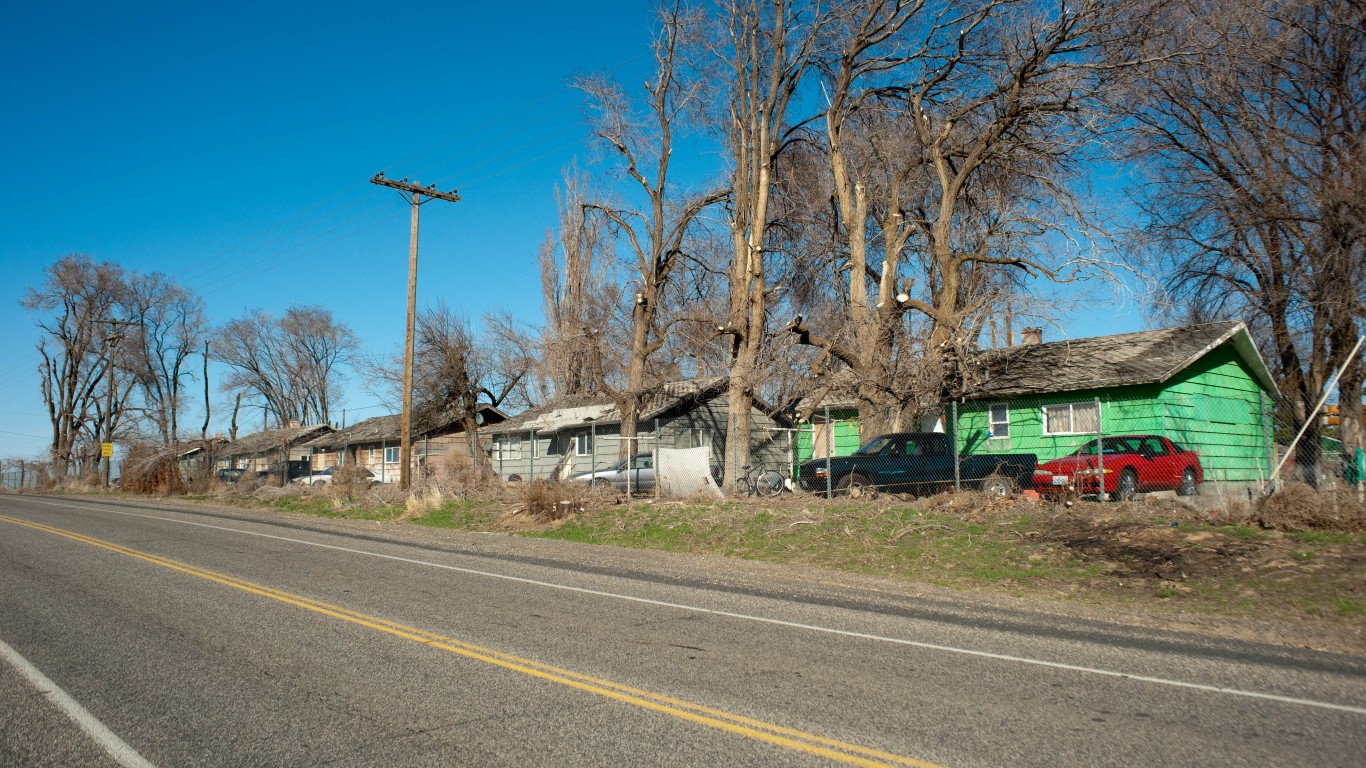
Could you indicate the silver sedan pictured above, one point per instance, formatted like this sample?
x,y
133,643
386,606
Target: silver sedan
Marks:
x,y
640,476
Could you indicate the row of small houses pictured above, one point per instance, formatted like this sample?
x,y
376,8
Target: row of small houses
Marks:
x,y
1204,386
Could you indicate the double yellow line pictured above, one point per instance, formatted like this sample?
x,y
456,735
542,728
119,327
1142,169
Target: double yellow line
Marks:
x,y
759,730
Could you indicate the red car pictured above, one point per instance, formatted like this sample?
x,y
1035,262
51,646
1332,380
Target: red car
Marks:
x,y
1130,464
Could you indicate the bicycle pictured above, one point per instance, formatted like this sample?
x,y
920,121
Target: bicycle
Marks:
x,y
762,481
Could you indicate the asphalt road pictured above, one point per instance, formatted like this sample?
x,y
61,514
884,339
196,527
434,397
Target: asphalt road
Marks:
x,y
142,635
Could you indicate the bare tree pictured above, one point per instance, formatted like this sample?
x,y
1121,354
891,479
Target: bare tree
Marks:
x,y
955,134
456,372
77,295
769,48
1254,146
642,138
318,345
581,297
169,328
290,365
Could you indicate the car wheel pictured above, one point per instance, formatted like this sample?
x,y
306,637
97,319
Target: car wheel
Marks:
x,y
998,485
1126,487
855,486
1187,487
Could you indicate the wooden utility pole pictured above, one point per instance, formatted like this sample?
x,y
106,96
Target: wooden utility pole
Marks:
x,y
109,342
414,193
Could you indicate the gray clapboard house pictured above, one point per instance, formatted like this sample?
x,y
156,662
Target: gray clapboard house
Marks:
x,y
581,434
375,443
262,450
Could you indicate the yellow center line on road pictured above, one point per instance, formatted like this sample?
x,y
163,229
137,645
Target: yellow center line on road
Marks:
x,y
759,730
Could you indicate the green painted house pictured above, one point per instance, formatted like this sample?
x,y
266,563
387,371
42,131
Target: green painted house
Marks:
x,y
1204,387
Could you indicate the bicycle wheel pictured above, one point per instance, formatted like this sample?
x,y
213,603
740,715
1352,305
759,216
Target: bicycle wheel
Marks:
x,y
768,483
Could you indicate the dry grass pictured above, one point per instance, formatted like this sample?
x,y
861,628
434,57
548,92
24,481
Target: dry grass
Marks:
x,y
151,471
422,501
349,482
547,501
1299,507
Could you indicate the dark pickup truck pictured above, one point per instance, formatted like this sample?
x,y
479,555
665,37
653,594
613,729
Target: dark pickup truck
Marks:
x,y
916,462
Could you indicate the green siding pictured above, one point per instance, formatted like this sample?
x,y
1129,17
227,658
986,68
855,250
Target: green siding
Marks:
x,y
1214,407
1026,426
844,437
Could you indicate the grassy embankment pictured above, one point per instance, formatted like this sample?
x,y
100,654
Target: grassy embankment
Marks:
x,y
1140,557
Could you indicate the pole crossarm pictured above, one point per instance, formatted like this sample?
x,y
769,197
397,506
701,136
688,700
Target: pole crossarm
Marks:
x,y
415,189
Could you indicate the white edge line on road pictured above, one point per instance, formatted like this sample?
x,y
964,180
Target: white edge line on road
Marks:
x,y
113,746
760,619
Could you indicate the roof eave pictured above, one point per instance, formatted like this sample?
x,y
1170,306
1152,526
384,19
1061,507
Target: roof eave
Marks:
x,y
1246,349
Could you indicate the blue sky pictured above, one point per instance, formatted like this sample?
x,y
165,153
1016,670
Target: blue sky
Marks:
x,y
230,146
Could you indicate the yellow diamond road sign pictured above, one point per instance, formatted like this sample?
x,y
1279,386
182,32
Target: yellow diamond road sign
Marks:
x,y
106,449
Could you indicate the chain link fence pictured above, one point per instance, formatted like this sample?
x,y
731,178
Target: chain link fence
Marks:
x,y
1223,438
16,476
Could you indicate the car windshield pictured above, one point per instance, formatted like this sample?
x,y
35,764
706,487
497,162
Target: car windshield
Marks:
x,y
873,446
1112,445
616,466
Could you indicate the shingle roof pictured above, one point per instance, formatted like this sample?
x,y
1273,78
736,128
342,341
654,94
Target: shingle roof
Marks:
x,y
381,428
1124,359
602,408
372,430
260,442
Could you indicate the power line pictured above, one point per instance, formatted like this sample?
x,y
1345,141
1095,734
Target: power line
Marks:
x,y
200,268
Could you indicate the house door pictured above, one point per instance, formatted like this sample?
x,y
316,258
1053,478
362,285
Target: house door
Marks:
x,y
821,438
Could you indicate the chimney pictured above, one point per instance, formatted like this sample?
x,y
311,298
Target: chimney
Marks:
x,y
1030,336
294,424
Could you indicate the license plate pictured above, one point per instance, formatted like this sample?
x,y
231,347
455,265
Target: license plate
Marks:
x,y
1060,479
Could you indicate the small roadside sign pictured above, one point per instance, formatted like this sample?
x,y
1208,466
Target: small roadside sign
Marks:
x,y
106,449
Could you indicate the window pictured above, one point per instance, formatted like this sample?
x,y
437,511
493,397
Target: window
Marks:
x,y
693,438
583,444
1070,419
391,455
999,416
1153,446
930,446
496,450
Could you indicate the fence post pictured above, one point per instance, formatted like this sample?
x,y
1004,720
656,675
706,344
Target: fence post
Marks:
x,y
1268,437
1100,455
791,456
1361,476
829,451
953,428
